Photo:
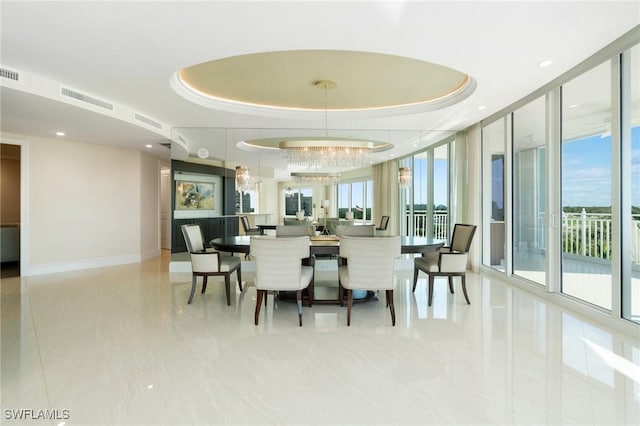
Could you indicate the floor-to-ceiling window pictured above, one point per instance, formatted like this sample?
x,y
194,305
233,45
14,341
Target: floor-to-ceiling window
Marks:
x,y
425,200
493,211
631,170
587,186
562,170
529,189
440,202
356,196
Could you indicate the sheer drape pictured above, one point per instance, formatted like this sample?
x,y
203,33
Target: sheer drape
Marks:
x,y
385,200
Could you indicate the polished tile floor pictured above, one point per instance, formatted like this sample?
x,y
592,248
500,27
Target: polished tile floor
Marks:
x,y
120,346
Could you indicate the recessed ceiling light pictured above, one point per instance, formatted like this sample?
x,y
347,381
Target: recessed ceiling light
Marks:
x,y
149,145
481,107
60,133
573,106
545,63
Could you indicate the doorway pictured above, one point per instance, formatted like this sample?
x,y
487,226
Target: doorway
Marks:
x,y
10,159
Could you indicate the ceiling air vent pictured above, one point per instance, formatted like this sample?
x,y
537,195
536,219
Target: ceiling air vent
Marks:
x,y
64,91
11,75
166,144
148,121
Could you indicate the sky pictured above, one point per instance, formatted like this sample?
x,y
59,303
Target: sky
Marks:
x,y
586,171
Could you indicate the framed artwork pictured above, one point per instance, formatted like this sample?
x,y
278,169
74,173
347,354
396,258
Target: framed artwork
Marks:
x,y
194,195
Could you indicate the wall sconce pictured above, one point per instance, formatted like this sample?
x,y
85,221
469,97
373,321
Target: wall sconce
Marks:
x,y
242,178
404,177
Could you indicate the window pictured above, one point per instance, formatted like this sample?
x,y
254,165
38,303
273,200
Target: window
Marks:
x,y
587,186
298,199
529,191
493,146
426,201
356,196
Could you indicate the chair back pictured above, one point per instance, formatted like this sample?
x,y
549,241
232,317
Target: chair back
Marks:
x,y
245,223
384,222
295,230
278,261
356,230
333,223
193,237
462,237
370,261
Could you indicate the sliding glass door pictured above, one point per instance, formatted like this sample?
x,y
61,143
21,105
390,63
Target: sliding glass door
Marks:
x,y
587,187
529,192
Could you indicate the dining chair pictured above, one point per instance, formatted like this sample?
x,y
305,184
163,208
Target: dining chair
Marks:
x,y
356,230
279,268
248,230
295,230
384,223
449,262
206,262
370,262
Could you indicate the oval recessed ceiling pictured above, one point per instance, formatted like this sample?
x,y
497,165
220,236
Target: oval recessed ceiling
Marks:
x,y
286,81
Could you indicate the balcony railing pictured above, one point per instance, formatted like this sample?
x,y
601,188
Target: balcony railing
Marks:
x,y
421,225
583,234
589,235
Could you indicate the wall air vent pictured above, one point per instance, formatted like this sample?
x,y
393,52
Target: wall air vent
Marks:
x,y
64,91
11,75
148,121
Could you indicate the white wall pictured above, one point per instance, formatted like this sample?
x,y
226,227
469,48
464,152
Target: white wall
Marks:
x,y
89,206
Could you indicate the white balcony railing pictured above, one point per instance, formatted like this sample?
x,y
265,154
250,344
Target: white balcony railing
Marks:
x,y
583,234
421,224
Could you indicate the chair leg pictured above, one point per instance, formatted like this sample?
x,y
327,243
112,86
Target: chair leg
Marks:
x,y
227,287
204,284
260,295
299,303
451,283
349,304
194,280
340,294
415,278
238,271
464,288
431,279
391,307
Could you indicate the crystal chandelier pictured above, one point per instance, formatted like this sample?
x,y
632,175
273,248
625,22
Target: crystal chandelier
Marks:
x,y
325,151
315,178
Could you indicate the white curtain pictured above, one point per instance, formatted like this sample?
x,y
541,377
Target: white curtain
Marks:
x,y
385,185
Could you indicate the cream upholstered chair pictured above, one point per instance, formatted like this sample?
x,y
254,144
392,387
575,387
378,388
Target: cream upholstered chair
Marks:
x,y
295,230
279,267
206,262
356,230
370,263
248,230
448,262
384,223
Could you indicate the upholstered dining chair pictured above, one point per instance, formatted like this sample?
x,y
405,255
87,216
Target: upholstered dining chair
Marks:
x,y
384,223
248,230
370,262
279,268
449,262
206,262
356,230
295,230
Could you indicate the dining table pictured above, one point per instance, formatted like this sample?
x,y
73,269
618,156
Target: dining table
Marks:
x,y
327,245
